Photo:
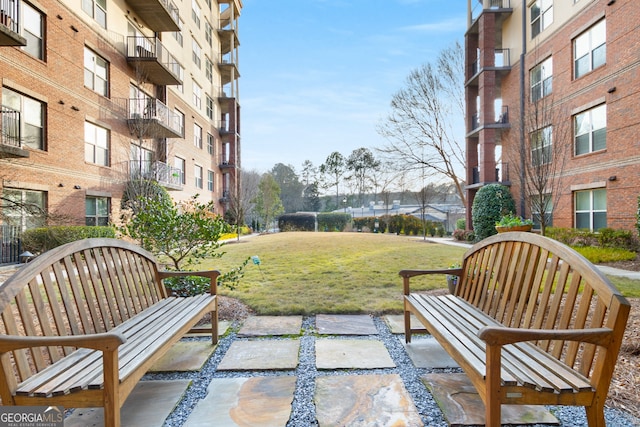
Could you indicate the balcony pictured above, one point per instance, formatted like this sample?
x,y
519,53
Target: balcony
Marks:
x,y
228,35
165,175
501,176
501,122
501,8
10,138
159,15
226,163
501,65
152,61
228,68
10,24
150,118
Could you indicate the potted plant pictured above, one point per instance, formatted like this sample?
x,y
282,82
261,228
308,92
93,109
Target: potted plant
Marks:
x,y
452,279
511,222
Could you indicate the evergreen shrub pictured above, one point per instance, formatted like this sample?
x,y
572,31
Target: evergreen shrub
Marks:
x,y
491,203
40,240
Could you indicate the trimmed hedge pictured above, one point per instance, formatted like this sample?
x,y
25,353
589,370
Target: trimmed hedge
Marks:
x,y
333,221
40,240
297,222
604,238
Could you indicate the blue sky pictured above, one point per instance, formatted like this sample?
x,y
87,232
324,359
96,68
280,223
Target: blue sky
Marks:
x,y
317,76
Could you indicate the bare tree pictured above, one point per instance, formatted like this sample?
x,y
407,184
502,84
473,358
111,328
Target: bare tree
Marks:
x,y
540,160
242,198
424,197
333,170
420,129
362,164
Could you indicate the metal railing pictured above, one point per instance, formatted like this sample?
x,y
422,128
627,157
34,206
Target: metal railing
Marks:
x,y
10,14
156,171
10,132
490,4
153,109
144,47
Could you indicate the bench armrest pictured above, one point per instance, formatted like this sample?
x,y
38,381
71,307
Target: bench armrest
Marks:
x,y
106,341
411,273
497,335
211,274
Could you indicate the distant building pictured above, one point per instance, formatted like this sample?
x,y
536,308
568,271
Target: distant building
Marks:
x,y
98,93
582,57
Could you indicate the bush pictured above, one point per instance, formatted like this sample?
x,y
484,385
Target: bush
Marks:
x,y
333,221
599,255
40,240
490,204
463,235
605,238
461,224
297,222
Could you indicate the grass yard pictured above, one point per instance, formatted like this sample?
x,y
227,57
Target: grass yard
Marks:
x,y
346,273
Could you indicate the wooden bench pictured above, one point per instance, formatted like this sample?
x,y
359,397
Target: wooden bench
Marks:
x,y
82,323
531,321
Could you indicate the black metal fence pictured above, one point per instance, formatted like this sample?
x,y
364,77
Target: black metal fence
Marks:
x,y
10,244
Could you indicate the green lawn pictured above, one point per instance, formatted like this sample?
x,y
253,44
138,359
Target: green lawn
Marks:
x,y
309,273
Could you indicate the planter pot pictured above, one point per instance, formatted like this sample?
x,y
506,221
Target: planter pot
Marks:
x,y
504,229
452,282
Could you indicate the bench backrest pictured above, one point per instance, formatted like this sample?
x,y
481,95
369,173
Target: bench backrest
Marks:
x,y
83,287
530,281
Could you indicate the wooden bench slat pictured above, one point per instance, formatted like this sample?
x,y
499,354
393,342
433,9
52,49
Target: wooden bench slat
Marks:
x,y
92,293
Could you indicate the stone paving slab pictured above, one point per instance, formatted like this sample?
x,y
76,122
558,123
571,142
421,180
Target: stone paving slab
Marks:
x,y
256,401
261,354
352,354
345,324
428,353
364,400
462,406
254,326
395,322
148,405
184,356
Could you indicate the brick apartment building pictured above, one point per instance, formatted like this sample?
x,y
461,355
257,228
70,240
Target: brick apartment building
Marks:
x,y
556,81
96,93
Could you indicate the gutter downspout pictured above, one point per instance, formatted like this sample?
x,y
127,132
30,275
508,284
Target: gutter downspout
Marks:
x,y
522,105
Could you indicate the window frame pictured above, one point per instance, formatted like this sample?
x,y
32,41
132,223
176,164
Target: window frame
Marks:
x,y
25,122
592,210
210,180
592,131
196,13
587,37
541,79
210,144
18,215
30,36
92,13
198,173
181,164
94,146
197,135
541,144
197,95
95,58
541,20
196,53
102,213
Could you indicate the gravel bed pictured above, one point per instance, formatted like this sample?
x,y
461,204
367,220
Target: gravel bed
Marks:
x,y
303,410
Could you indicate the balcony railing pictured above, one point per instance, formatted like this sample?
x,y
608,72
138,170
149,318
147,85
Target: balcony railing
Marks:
x,y
501,174
150,118
153,61
165,175
482,5
225,163
10,24
159,15
10,135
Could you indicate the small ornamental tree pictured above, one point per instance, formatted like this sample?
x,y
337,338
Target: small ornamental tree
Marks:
x,y
490,204
183,233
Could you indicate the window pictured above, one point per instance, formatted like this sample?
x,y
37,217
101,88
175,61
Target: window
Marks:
x,y
95,72
197,135
208,32
32,113
590,49
24,208
179,117
591,130
208,69
96,144
96,211
198,176
33,31
195,13
591,209
541,16
210,143
196,52
141,162
197,95
209,107
541,77
178,34
97,9
541,143
210,180
179,164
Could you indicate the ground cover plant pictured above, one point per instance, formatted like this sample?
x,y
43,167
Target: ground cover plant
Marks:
x,y
310,273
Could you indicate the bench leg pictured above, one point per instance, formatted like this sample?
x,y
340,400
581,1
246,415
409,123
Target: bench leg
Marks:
x,y
111,393
214,327
407,326
595,414
492,387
